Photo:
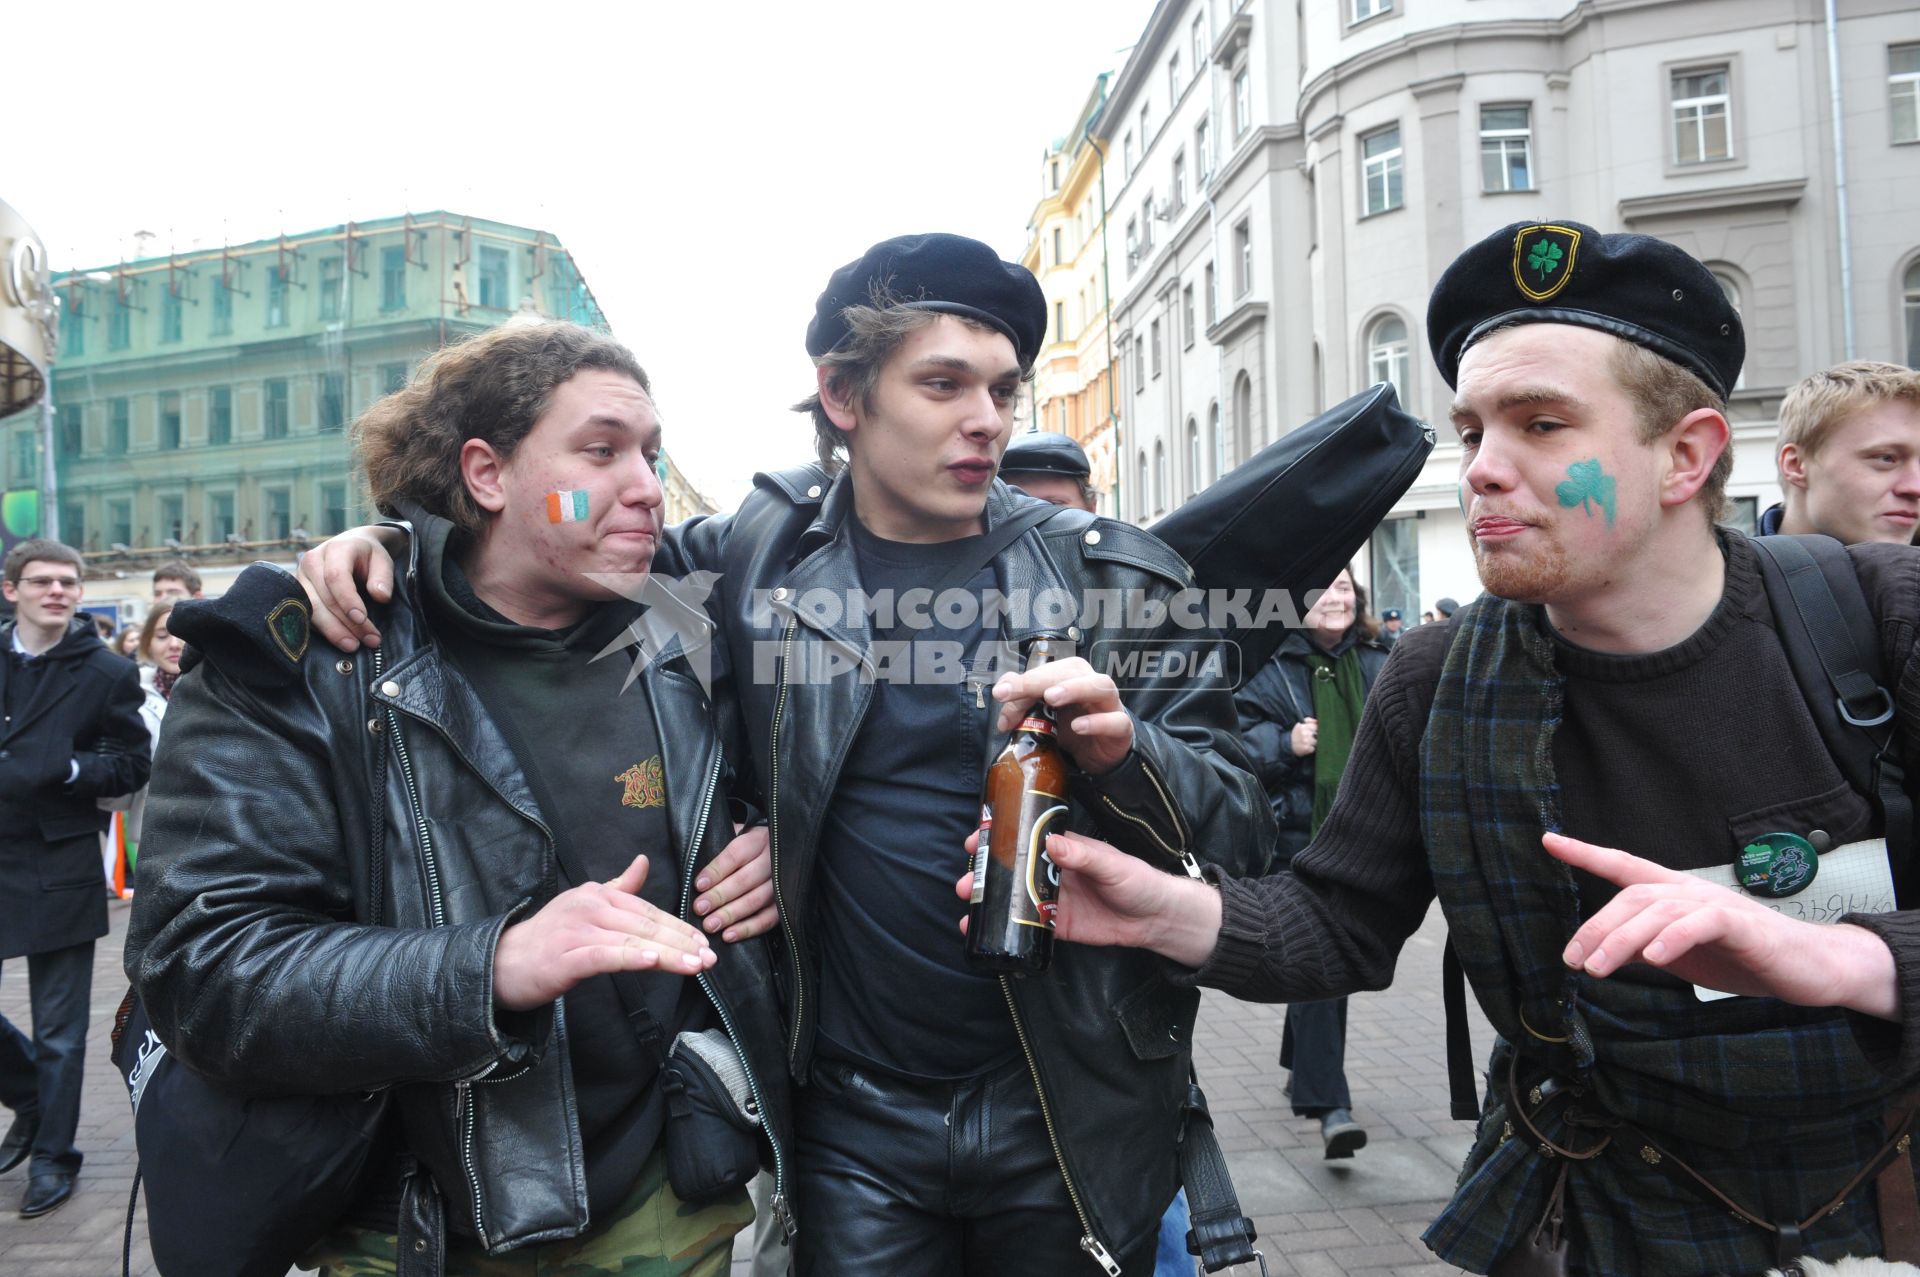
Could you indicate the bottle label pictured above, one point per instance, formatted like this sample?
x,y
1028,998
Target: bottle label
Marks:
x,y
980,856
1036,723
1043,877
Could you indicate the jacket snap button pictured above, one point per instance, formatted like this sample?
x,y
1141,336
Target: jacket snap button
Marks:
x,y
344,666
814,491
373,725
1093,537
419,1245
389,688
780,594
1073,633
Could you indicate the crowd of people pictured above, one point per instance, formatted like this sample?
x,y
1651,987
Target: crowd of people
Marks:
x,y
491,814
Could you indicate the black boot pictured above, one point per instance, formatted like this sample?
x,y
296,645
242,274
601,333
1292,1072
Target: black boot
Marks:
x,y
1341,1134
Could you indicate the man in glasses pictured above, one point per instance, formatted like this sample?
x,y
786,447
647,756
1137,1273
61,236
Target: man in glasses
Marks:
x,y
70,733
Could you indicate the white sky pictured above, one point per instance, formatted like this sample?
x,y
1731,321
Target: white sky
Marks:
x,y
708,164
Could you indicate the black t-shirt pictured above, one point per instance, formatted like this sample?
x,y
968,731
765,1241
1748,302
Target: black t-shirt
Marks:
x,y
593,760
895,988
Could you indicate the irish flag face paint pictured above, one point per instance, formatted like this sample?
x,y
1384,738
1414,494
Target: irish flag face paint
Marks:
x,y
566,507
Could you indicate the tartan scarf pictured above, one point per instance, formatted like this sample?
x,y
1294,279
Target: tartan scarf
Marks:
x,y
1773,1103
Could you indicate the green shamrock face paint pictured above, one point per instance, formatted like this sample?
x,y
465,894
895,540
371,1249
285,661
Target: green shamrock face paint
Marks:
x,y
1587,482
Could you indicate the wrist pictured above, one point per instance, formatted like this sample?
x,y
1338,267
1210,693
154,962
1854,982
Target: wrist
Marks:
x,y
1187,926
1866,978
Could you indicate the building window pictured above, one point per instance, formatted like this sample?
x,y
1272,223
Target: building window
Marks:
x,y
1364,9
73,330
25,473
276,297
1126,155
1173,80
332,288
1146,222
120,523
392,377
1133,242
220,415
1154,328
172,516
169,422
276,506
1387,354
1202,150
119,325
1903,91
1196,478
1912,307
1059,245
1199,42
73,523
1395,555
1213,297
1702,109
220,517
1380,171
1186,317
171,308
1159,477
119,418
1179,180
333,401
493,279
1243,417
1242,259
333,509
1139,365
67,442
222,320
1242,103
1144,491
1506,148
1146,130
1059,321
393,279
274,408
1054,168
1219,438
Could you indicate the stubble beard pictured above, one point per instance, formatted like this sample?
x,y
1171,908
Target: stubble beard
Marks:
x,y
1535,575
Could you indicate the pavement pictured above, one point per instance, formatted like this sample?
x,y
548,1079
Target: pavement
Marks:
x,y
1316,1218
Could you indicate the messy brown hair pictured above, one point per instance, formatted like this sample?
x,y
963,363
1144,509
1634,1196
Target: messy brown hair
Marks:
x,y
873,333
492,386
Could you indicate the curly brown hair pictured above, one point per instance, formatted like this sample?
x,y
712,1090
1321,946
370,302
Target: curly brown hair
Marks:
x,y
492,386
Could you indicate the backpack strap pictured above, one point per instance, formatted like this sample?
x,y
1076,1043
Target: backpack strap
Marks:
x,y
1831,640
1462,1094
1221,1234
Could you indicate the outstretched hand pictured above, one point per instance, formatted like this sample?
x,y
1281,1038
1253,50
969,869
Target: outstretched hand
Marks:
x,y
594,929
1110,898
1722,939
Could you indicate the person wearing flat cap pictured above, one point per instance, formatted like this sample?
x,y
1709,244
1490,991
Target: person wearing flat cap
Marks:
x,y
1049,466
1618,684
949,1123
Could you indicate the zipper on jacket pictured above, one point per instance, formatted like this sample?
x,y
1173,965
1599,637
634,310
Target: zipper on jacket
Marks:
x,y
773,837
377,879
780,1208
1088,1242
464,1090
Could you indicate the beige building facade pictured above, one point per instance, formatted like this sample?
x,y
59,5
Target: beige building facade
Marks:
x,y
1359,145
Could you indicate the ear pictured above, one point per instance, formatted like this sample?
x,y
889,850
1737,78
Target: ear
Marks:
x,y
481,468
840,408
1693,444
1792,464
11,590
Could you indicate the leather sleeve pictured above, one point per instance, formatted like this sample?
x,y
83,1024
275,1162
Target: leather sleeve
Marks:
x,y
242,941
1186,789
118,757
1267,717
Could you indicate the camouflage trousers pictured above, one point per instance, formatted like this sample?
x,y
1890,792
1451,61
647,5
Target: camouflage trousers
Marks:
x,y
652,1234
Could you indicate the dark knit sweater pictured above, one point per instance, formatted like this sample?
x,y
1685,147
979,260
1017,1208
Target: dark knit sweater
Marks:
x,y
1679,756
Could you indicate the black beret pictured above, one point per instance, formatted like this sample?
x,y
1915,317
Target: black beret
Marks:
x,y
948,273
1044,452
1638,288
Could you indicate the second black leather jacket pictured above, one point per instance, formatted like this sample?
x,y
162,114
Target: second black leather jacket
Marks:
x,y
1107,1036
333,847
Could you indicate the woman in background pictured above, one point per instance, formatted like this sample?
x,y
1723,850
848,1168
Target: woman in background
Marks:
x,y
1297,719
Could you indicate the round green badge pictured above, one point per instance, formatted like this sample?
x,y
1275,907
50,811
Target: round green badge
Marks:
x,y
1777,865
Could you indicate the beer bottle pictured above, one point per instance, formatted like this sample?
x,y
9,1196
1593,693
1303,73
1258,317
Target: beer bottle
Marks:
x,y
1010,919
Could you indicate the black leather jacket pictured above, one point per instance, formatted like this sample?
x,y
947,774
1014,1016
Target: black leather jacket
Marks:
x,y
1107,1035
1273,700
264,864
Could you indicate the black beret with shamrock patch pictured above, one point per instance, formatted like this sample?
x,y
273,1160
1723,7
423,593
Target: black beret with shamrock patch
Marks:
x,y
1641,289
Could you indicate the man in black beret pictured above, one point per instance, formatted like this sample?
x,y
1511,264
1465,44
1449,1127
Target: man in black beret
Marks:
x,y
950,1123
1621,682
1049,466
